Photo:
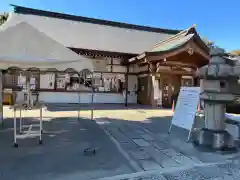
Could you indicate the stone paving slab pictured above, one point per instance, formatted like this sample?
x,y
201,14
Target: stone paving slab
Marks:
x,y
161,158
131,146
151,147
148,164
147,137
141,142
139,154
118,135
145,150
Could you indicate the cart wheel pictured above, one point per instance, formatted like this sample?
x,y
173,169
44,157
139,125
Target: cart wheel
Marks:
x,y
15,145
40,142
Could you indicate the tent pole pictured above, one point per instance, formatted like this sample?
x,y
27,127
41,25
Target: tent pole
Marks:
x,y
1,97
27,88
92,97
79,100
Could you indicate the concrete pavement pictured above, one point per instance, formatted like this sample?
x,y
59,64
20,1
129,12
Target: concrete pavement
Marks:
x,y
128,140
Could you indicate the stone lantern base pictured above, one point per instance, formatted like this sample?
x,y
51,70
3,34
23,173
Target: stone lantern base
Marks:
x,y
214,139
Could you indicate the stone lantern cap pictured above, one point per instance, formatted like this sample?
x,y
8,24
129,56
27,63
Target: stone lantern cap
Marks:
x,y
219,66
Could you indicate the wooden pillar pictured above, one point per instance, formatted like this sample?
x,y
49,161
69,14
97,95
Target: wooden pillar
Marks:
x,y
152,80
126,81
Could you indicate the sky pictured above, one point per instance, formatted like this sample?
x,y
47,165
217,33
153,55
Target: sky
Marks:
x,y
217,20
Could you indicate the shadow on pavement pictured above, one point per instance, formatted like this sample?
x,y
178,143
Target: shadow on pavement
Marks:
x,y
75,107
61,156
64,140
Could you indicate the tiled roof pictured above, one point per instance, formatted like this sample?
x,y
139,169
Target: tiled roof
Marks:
x,y
87,33
175,43
178,40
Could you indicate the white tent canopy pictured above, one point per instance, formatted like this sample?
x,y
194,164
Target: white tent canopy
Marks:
x,y
24,46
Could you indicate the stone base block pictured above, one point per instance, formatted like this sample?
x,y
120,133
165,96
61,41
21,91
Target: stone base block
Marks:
x,y
233,127
216,140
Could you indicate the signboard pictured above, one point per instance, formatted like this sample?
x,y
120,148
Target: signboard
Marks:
x,y
22,80
47,81
99,65
186,107
32,83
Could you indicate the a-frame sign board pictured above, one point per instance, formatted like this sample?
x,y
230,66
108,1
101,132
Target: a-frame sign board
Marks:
x,y
186,108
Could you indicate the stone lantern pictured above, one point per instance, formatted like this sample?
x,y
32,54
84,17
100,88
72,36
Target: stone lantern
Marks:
x,y
218,76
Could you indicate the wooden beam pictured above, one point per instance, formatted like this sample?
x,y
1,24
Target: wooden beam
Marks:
x,y
177,72
198,50
176,63
160,56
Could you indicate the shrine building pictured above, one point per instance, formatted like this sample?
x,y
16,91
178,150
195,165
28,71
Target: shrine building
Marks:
x,y
132,63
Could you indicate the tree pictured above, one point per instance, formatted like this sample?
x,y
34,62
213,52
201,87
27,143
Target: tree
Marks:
x,y
208,42
235,52
3,18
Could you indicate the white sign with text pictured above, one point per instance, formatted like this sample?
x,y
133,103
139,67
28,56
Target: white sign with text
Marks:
x,y
186,107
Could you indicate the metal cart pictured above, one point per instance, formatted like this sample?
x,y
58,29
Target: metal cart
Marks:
x,y
30,130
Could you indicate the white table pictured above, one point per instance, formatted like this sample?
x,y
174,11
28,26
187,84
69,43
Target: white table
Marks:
x,y
29,133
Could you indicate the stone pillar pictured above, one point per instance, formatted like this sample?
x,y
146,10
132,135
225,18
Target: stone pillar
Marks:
x,y
215,94
214,116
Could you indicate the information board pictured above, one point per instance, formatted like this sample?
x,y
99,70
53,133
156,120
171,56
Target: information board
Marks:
x,y
186,107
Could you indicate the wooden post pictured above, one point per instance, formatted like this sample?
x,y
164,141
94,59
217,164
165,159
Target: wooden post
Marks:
x,y
126,81
152,79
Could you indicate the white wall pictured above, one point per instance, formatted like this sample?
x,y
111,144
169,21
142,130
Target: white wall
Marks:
x,y
71,97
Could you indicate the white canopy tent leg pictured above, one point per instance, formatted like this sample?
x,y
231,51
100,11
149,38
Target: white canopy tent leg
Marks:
x,y
79,98
20,122
1,98
92,97
15,128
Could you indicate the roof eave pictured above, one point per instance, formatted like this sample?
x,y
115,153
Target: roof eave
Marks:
x,y
199,39
155,53
26,10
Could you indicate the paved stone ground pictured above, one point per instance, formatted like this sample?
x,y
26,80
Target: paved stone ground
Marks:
x,y
141,145
157,150
229,170
61,156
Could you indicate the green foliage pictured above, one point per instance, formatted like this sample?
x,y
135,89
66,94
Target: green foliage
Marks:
x,y
208,42
3,18
235,52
